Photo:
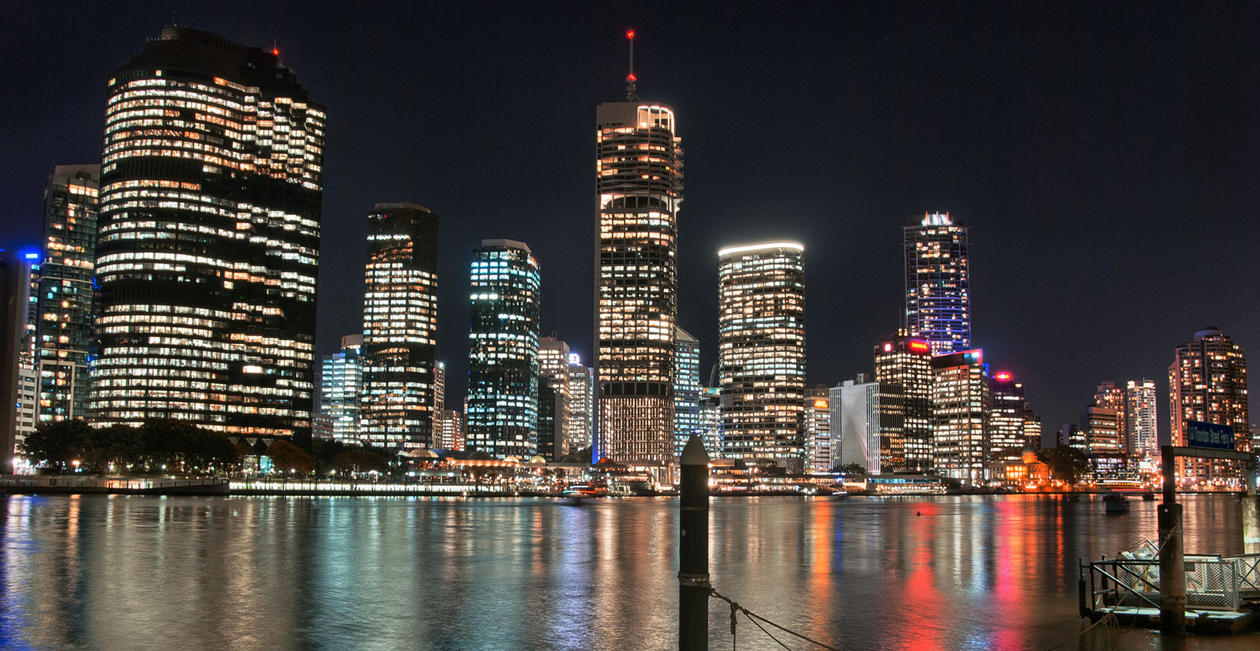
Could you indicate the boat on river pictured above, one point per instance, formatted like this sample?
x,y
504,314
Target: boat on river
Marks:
x,y
1116,503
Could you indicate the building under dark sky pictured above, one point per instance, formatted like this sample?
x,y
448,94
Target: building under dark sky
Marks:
x,y
1103,155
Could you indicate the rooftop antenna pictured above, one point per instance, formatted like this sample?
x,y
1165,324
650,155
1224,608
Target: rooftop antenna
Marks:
x,y
632,92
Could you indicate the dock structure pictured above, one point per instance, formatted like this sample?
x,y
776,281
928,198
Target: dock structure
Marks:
x,y
1221,594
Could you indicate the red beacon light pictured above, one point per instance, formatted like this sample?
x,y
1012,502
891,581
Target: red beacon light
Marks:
x,y
631,78
630,34
275,51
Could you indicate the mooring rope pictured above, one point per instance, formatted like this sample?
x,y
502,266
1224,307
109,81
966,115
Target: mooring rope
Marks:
x,y
754,617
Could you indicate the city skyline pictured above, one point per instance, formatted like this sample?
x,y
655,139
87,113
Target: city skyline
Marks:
x,y
1012,297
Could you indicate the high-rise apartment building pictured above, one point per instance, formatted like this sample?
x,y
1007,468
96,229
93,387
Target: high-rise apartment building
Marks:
x,y
639,189
501,418
340,392
399,326
1110,395
960,406
551,443
1102,431
63,294
208,240
1207,382
581,403
448,433
938,283
686,389
903,368
1142,433
761,352
818,434
856,423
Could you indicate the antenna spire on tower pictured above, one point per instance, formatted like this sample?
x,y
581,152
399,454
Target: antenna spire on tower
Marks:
x,y
632,92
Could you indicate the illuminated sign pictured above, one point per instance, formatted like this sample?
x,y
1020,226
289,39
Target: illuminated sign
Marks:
x,y
574,359
1209,435
1002,376
918,346
888,348
820,404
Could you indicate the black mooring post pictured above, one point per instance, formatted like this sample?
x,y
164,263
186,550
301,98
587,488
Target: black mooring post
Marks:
x,y
1172,563
693,548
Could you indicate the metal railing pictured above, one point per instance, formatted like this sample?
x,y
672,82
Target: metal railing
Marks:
x,y
1212,582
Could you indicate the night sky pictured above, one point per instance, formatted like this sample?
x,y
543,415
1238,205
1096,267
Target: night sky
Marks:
x,y
1105,155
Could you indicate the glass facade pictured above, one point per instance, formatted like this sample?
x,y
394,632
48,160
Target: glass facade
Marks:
x,y
502,409
686,389
938,283
960,406
208,240
1007,436
761,352
903,369
818,434
340,390
581,403
63,295
638,179
553,365
399,326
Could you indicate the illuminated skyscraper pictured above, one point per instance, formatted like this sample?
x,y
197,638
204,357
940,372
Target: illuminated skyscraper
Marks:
x,y
938,285
818,433
208,240
63,293
903,368
856,424
581,403
1207,382
1110,395
761,352
553,364
1007,437
502,408
340,392
686,389
399,326
960,406
710,421
638,185
1142,439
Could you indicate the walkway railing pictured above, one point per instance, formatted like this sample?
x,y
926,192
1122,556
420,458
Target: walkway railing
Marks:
x,y
1212,583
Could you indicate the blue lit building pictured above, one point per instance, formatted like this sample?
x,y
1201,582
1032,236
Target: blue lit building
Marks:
x,y
686,388
340,390
938,292
502,408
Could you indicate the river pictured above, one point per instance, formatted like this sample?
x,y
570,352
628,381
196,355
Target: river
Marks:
x,y
127,572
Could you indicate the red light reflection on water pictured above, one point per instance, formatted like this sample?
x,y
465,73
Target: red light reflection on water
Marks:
x,y
921,601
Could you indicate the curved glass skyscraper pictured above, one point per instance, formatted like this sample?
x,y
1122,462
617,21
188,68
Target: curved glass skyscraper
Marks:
x,y
638,180
211,183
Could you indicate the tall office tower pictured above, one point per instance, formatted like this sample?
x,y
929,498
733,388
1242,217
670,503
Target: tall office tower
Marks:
x,y
15,282
1207,382
64,294
208,240
817,430
638,185
399,326
686,389
1142,433
340,392
710,421
761,352
960,406
553,364
855,420
551,443
903,368
1102,431
448,432
502,408
1032,428
581,404
439,387
938,283
1006,417
1111,396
